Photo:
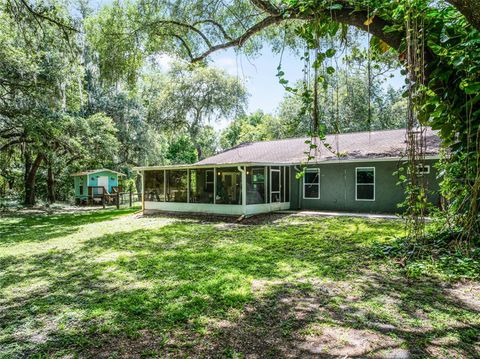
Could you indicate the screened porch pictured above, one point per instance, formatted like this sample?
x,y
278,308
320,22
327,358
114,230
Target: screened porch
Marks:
x,y
232,190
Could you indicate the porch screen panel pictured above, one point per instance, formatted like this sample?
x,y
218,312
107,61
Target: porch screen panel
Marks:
x,y
201,185
176,186
256,185
154,186
275,184
229,186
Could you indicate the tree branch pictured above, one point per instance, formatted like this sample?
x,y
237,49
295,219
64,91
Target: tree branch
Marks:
x,y
217,24
187,26
37,14
185,45
346,15
239,41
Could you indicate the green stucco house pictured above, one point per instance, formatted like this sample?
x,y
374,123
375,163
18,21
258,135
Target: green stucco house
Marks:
x,y
91,185
353,173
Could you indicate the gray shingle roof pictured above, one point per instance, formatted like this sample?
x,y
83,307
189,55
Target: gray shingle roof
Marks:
x,y
358,145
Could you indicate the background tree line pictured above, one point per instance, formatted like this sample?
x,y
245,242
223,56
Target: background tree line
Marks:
x,y
64,108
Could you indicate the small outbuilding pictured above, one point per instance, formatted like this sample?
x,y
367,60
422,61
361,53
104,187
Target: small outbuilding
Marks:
x,y
93,185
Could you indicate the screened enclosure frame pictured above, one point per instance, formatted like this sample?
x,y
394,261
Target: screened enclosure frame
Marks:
x,y
189,188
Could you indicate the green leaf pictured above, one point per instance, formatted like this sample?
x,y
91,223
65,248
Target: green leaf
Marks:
x,y
335,7
472,89
330,52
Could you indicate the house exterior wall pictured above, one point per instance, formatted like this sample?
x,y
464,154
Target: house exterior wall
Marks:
x,y
112,179
337,188
80,181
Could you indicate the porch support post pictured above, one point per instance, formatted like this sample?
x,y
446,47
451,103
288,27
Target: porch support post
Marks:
x,y
142,174
188,185
243,171
164,185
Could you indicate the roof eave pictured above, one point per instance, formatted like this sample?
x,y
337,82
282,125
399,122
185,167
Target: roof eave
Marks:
x,y
296,163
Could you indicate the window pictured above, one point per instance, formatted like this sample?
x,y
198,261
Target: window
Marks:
x,y
311,183
365,184
80,190
423,169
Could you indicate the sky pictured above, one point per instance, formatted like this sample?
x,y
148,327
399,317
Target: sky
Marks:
x,y
259,72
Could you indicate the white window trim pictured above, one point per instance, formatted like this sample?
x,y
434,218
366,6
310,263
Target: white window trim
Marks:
x,y
374,183
421,173
318,172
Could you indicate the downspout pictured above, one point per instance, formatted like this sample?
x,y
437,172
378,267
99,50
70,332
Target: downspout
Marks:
x,y
244,189
299,187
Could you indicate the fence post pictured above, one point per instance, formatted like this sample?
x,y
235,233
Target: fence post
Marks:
x,y
103,200
130,197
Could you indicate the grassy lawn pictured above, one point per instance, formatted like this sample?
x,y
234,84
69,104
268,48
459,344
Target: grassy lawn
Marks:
x,y
115,284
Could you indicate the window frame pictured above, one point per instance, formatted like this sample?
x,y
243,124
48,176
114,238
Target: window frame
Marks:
x,y
311,170
421,166
368,184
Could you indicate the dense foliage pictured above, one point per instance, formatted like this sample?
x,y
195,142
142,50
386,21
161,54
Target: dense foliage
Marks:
x,y
58,115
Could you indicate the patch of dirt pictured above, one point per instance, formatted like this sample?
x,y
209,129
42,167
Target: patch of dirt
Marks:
x,y
468,293
260,219
345,342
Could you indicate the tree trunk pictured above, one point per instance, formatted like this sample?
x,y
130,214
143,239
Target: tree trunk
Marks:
x,y
199,152
470,9
30,177
50,184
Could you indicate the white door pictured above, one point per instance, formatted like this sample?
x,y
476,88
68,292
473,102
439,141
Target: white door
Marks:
x,y
103,182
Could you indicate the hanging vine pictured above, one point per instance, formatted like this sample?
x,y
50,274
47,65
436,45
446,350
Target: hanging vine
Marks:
x,y
416,191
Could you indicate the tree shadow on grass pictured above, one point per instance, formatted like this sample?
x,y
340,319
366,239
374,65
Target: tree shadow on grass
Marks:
x,y
294,320
193,290
16,228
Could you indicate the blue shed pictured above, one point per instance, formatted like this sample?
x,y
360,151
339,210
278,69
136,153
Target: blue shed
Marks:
x,y
93,184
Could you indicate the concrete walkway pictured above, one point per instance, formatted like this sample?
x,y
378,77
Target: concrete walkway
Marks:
x,y
341,214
